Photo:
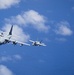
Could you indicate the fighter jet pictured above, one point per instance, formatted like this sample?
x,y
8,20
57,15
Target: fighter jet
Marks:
x,y
4,39
37,43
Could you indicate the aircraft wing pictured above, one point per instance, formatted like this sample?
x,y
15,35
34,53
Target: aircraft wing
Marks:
x,y
42,44
21,43
31,41
18,42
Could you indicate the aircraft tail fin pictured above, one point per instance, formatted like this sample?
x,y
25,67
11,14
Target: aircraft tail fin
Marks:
x,y
41,41
10,33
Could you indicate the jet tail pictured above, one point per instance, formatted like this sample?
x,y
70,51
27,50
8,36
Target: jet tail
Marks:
x,y
10,33
41,41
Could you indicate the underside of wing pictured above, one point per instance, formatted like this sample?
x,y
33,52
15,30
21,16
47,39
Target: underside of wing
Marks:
x,y
18,42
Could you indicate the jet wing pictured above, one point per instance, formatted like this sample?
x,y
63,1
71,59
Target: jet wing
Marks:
x,y
18,42
21,43
31,41
42,44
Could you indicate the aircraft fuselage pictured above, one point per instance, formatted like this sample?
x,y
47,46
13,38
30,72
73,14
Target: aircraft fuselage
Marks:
x,y
36,43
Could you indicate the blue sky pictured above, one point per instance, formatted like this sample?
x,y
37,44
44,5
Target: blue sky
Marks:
x,y
49,20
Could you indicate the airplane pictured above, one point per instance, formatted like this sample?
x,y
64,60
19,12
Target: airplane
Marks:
x,y
37,43
4,39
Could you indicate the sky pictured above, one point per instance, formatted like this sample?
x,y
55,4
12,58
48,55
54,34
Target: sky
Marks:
x,y
49,20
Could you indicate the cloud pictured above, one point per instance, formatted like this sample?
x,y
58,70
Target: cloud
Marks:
x,y
72,8
17,33
8,3
10,58
63,28
61,39
5,58
5,71
18,57
30,18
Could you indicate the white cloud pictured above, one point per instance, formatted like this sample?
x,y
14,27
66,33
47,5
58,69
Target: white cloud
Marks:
x,y
63,28
61,39
8,3
30,18
72,8
17,33
18,57
5,58
10,58
5,71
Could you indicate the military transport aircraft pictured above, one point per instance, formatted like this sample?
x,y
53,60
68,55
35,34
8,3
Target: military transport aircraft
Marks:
x,y
37,43
4,39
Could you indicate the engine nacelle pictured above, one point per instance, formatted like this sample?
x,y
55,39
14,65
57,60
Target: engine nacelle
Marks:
x,y
14,43
21,44
6,41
